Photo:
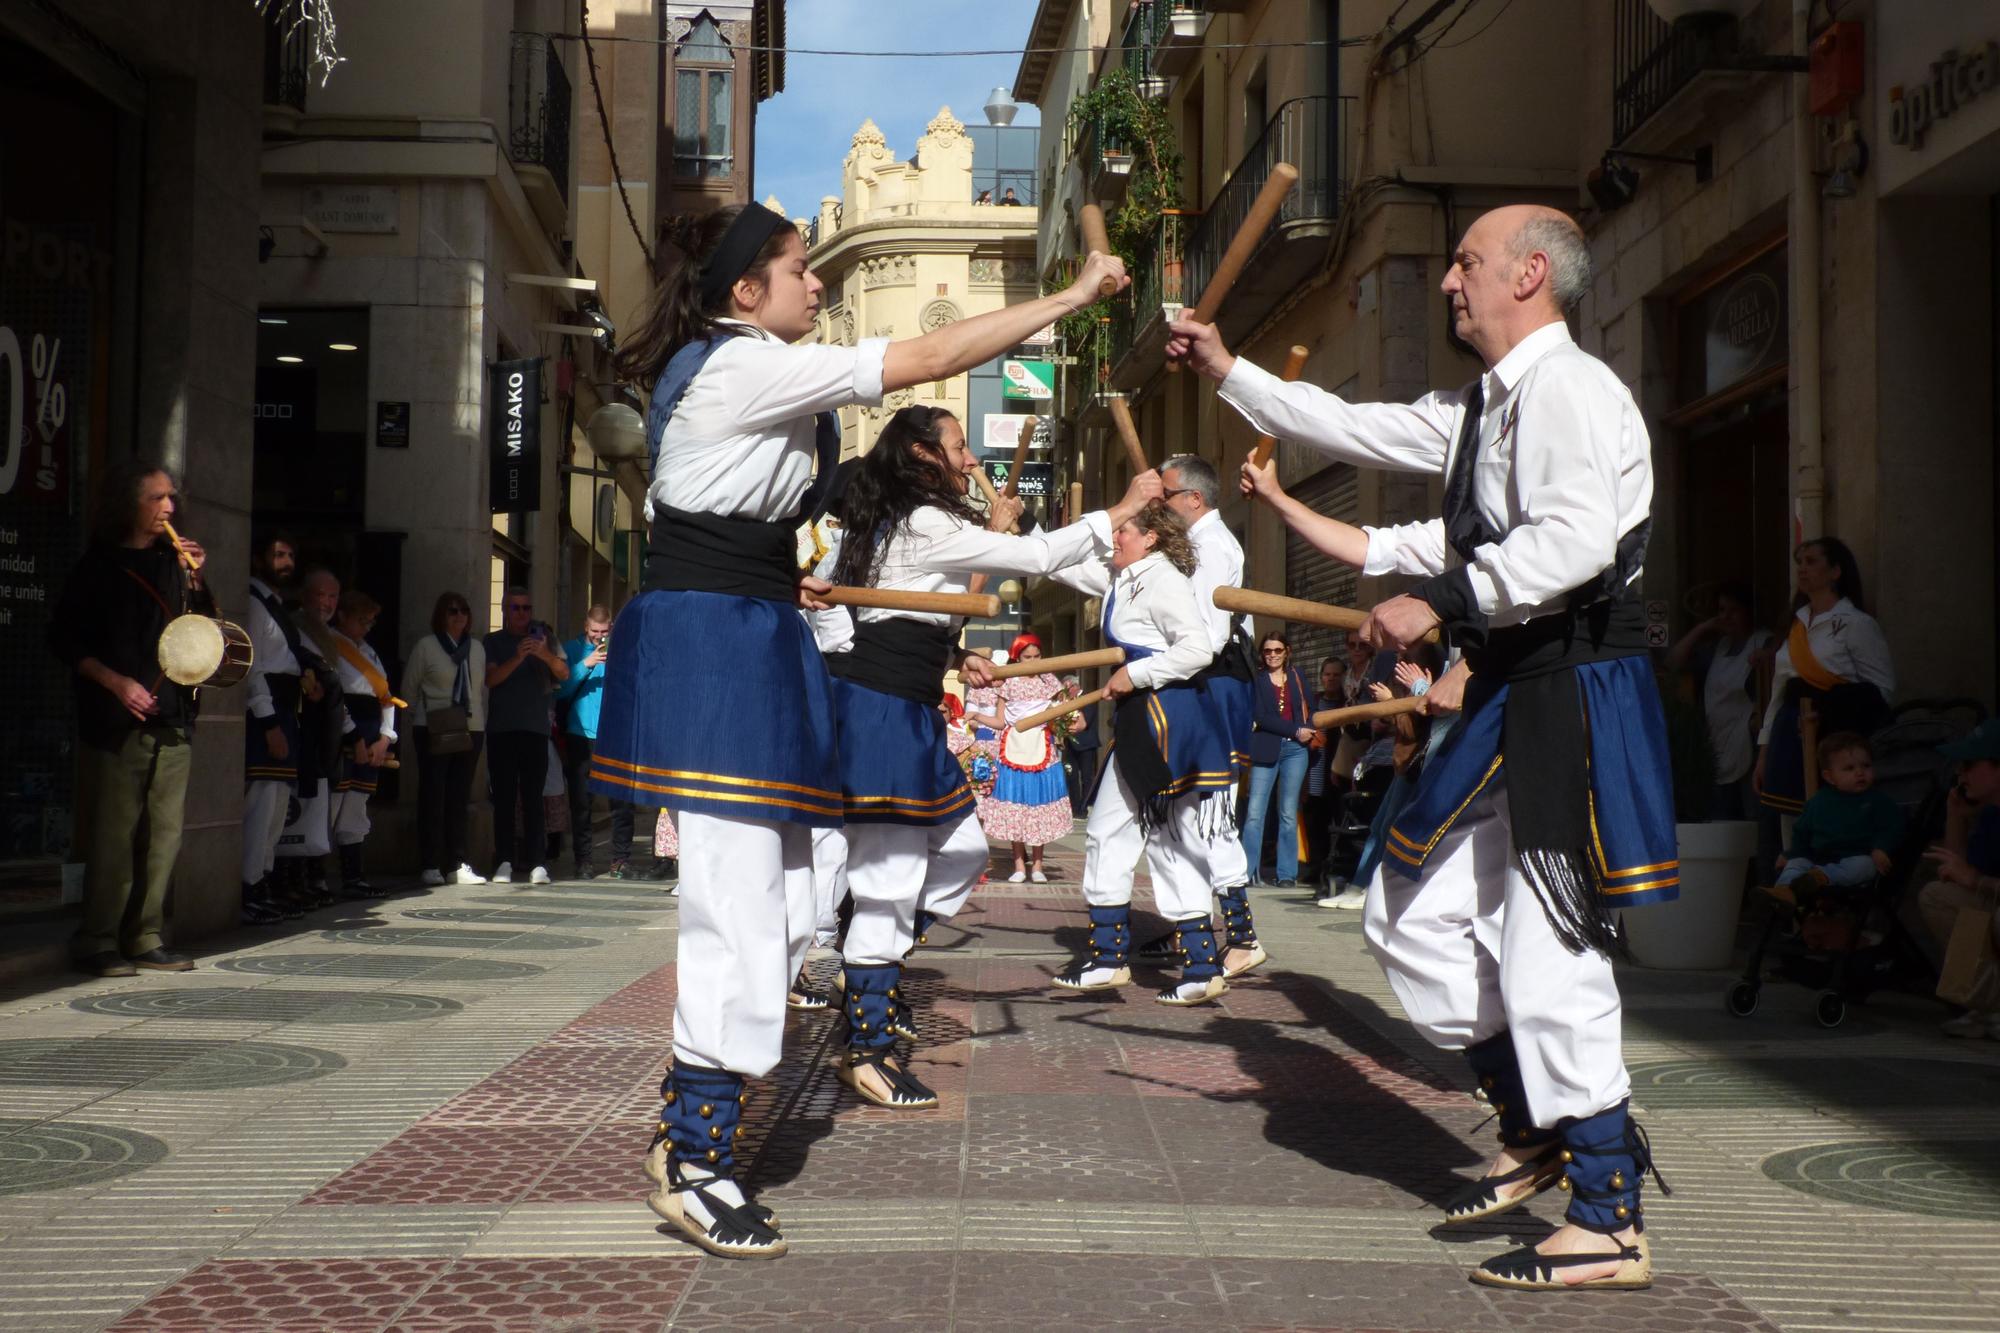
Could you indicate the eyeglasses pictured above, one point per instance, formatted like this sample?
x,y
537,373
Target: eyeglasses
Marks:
x,y
1274,652
1169,492
518,606
458,610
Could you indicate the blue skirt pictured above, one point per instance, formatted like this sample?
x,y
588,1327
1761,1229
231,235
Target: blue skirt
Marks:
x,y
895,767
1633,846
721,705
258,763
1042,786
1234,701
1187,733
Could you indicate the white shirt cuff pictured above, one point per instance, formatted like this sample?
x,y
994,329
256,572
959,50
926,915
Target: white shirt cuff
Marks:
x,y
1100,526
869,354
1381,557
1484,590
1140,673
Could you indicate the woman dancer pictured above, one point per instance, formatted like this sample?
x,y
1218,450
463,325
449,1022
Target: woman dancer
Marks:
x,y
1029,807
1171,750
914,847
371,712
718,705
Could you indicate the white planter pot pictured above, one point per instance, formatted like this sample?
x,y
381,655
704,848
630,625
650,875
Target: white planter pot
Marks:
x,y
1698,929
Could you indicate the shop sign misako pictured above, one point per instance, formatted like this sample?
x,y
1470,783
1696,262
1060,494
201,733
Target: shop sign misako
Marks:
x,y
514,414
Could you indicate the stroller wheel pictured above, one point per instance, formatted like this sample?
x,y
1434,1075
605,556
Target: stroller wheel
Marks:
x,y
1741,1000
1830,1009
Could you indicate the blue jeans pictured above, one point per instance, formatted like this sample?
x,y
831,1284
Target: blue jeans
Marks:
x,y
1288,775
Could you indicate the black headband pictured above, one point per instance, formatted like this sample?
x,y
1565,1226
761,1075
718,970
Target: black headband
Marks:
x,y
746,236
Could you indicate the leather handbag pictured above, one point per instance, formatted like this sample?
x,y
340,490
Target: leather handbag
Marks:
x,y
448,730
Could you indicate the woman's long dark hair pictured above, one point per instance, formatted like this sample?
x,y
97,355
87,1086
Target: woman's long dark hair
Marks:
x,y
678,315
904,472
1848,585
114,512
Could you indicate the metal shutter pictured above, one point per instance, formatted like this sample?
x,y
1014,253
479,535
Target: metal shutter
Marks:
x,y
1313,576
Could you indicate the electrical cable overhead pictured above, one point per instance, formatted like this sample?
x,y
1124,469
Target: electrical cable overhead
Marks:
x,y
1471,37
990,51
604,124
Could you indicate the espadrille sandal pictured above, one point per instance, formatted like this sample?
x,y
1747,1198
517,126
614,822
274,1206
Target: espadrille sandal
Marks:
x,y
1161,948
906,1091
803,997
1072,977
1172,994
734,1234
1526,1270
1483,1197
655,1167
1257,959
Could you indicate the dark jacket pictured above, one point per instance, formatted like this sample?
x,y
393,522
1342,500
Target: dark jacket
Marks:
x,y
1085,735
114,607
1270,729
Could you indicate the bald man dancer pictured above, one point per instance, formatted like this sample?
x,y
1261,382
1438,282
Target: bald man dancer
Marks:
x,y
1550,803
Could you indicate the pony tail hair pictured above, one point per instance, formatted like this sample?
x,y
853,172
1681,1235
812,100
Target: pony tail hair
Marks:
x,y
676,315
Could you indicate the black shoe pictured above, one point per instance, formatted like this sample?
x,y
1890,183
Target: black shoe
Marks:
x,y
256,911
664,868
1288,884
353,883
107,964
159,960
585,870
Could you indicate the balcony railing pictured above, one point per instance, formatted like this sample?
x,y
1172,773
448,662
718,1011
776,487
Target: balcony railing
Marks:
x,y
538,103
1309,133
1159,279
1176,31
1135,49
286,58
814,233
1106,158
1652,60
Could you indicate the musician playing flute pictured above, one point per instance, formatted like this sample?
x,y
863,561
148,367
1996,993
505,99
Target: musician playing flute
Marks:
x,y
1170,756
134,723
1550,804
718,705
914,845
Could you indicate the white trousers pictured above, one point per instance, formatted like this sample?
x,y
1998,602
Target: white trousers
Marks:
x,y
1181,860
264,806
894,869
746,919
1228,866
310,833
829,879
349,817
1470,953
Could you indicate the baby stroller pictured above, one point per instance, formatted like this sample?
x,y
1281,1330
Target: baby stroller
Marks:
x,y
1848,942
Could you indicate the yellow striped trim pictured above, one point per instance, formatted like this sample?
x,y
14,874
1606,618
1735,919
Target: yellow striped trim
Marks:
x,y
1159,716
1604,869
719,779
868,805
1784,804
697,794
1669,882
1427,848
959,793
270,774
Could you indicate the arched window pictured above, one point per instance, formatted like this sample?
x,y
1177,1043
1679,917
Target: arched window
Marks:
x,y
704,70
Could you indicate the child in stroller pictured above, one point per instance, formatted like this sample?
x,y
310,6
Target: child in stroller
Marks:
x,y
1847,834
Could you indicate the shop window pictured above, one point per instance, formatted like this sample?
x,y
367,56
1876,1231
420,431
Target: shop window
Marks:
x,y
704,103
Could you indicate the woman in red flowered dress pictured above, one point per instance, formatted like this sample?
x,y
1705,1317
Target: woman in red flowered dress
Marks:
x,y
1029,805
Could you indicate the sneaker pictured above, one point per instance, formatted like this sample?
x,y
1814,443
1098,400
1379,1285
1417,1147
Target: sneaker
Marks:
x,y
585,870
1018,877
1971,1023
1351,899
1038,877
617,870
539,875
465,874
503,873
431,879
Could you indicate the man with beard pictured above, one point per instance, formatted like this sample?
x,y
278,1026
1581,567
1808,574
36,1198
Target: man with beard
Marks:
x,y
271,730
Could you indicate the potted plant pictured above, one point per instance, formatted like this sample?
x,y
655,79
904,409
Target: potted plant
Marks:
x,y
1697,929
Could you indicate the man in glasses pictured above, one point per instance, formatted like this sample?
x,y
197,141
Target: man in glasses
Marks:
x,y
521,671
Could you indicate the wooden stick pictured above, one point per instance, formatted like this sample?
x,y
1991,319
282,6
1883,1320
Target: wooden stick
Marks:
x,y
1020,461
992,496
1271,604
1075,501
1128,434
1340,717
949,603
1090,220
1263,212
1096,657
1295,365
1063,709
186,559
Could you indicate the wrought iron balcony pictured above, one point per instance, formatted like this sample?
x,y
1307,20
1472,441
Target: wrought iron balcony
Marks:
x,y
538,109
1311,134
1654,63
1159,280
286,58
1177,30
1106,160
1135,49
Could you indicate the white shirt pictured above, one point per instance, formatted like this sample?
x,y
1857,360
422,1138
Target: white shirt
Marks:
x,y
940,552
353,682
1730,705
741,442
1218,564
1564,466
270,654
1152,606
1847,642
832,629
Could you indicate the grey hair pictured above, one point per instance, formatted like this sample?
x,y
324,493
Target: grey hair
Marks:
x,y
1197,475
1569,256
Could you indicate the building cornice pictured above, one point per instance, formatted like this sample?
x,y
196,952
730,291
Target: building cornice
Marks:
x,y
1031,79
918,235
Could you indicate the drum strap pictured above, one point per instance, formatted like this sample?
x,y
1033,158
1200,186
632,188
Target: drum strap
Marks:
x,y
151,591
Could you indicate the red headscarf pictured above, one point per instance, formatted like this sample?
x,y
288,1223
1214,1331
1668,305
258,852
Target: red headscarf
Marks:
x,y
1022,641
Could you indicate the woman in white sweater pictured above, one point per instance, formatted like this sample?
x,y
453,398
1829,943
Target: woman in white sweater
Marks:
x,y
445,682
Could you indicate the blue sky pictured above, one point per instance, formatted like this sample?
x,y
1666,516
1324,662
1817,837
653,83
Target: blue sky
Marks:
x,y
804,132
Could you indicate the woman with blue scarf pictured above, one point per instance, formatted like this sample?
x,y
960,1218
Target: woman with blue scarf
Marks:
x,y
445,679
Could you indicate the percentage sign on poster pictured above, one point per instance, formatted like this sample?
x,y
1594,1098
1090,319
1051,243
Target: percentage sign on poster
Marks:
x,y
51,398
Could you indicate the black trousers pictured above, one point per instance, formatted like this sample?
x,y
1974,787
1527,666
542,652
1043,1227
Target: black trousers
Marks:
x,y
1080,773
517,766
444,791
576,777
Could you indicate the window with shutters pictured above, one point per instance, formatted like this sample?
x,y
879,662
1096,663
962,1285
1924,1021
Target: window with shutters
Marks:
x,y
704,68
1313,576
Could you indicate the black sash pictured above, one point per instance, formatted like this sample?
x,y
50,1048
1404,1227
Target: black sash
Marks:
x,y
276,610
898,656
746,557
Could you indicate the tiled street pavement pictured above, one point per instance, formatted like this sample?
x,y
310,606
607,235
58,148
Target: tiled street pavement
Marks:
x,y
429,1115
